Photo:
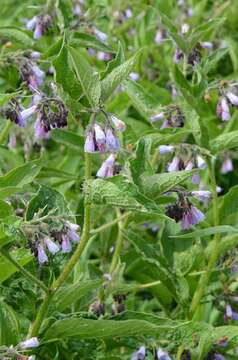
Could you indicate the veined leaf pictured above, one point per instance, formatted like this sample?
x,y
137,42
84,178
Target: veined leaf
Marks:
x,y
17,35
89,41
21,175
207,232
225,141
67,138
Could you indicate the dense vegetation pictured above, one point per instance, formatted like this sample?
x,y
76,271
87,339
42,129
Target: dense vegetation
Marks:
x,y
118,183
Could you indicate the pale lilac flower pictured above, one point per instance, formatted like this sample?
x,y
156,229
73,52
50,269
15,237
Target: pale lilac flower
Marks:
x,y
192,216
185,28
99,134
227,166
159,36
178,56
52,246
166,149
29,343
201,163
207,45
35,55
174,165
165,125
25,114
100,35
66,245
223,110
232,98
103,56
157,117
162,355
40,132
39,31
219,357
196,179
32,357
230,314
119,124
39,74
107,168
89,145
12,143
218,189
128,13
30,25
36,98
174,93
112,141
72,232
41,254
139,354
202,195
77,10
134,76
189,165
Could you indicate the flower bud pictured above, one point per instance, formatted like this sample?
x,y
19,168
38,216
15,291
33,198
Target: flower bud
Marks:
x,y
174,165
30,343
112,140
232,98
223,110
227,166
119,124
157,117
52,246
41,255
107,167
162,355
166,149
139,355
89,146
66,245
202,195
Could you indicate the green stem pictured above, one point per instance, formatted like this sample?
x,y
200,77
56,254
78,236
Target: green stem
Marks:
x,y
73,260
27,274
111,223
119,243
215,250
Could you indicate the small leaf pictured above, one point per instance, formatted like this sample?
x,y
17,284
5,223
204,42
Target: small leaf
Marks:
x,y
17,35
225,141
89,41
7,269
9,325
21,175
67,138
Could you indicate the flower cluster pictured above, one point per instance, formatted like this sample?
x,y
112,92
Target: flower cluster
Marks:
x,y
39,24
58,240
31,74
228,98
185,212
102,138
172,118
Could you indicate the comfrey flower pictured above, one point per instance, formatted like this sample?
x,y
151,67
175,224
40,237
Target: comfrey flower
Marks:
x,y
40,131
227,166
13,112
159,36
223,111
134,76
207,45
175,164
201,163
202,195
230,314
100,35
39,24
25,114
157,117
107,168
119,124
41,254
139,354
233,99
52,246
219,357
66,245
192,216
29,343
178,56
32,75
166,149
162,355
73,231
112,141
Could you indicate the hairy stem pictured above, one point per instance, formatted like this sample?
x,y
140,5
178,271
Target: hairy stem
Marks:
x,y
26,273
215,250
72,262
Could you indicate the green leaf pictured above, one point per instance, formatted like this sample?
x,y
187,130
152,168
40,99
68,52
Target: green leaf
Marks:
x,y
103,192
21,175
160,183
225,141
65,74
140,164
117,76
68,295
7,269
89,41
174,32
47,199
211,60
145,103
16,35
86,75
228,207
5,209
207,232
9,325
118,60
67,138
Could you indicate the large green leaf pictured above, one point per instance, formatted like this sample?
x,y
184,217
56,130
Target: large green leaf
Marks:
x,y
21,175
16,35
67,138
225,141
117,76
22,256
81,39
86,75
9,325
207,232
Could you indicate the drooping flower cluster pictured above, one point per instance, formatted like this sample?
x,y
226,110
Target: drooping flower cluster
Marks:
x,y
173,118
227,99
31,74
185,212
56,241
39,24
102,138
51,113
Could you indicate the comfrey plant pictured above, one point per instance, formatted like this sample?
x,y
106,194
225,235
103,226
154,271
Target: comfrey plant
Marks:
x,y
118,184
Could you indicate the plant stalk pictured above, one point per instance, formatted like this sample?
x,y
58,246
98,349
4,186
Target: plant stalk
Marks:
x,y
34,330
204,279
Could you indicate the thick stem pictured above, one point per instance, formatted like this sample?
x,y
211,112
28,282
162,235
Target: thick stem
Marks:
x,y
73,260
27,274
215,250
